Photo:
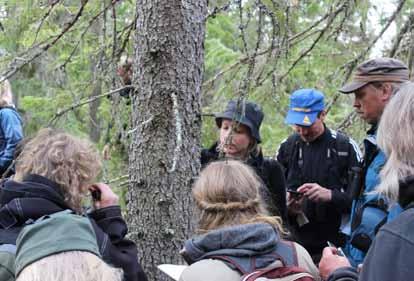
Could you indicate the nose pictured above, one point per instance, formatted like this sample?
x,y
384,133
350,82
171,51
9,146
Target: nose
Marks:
x,y
225,133
356,104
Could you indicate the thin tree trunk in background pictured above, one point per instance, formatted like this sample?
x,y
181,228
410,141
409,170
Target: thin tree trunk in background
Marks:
x,y
97,66
94,122
164,151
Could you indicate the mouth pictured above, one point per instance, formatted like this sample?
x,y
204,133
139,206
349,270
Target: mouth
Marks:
x,y
229,146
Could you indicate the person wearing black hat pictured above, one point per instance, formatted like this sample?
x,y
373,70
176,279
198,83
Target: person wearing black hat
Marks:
x,y
317,162
374,83
390,256
239,126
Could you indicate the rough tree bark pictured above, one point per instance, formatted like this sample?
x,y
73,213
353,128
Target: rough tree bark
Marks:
x,y
164,151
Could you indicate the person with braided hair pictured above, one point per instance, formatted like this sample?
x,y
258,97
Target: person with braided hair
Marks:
x,y
235,233
239,138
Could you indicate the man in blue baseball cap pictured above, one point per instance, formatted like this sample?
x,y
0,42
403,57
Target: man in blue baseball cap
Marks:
x,y
317,161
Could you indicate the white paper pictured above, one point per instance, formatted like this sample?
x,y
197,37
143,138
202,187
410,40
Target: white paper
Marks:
x,y
173,270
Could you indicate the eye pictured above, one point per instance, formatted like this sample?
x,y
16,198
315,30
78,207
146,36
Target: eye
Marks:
x,y
238,130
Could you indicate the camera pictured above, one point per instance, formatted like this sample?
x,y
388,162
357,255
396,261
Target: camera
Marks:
x,y
96,195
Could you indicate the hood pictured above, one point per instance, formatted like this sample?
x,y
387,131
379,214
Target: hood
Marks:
x,y
32,198
242,241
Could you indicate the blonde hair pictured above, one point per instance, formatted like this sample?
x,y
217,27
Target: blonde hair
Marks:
x,y
395,138
70,266
6,98
227,193
71,162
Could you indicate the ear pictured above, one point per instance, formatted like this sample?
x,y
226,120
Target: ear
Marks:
x,y
386,92
322,115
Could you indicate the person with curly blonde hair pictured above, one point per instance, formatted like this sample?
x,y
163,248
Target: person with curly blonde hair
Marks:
x,y
235,233
56,171
11,131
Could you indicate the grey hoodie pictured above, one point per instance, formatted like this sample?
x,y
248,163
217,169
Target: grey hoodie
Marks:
x,y
251,246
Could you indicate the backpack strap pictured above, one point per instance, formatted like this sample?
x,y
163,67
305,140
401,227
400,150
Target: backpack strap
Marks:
x,y
7,254
291,154
278,273
342,145
409,206
9,248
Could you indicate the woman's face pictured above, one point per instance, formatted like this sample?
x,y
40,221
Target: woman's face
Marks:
x,y
238,145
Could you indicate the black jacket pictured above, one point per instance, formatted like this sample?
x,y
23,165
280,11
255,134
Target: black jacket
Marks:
x,y
271,174
323,167
37,196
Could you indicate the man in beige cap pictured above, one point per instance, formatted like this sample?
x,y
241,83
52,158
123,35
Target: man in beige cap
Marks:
x,y
373,85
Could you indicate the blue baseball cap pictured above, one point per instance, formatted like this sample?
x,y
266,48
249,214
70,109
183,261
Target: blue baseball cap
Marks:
x,y
305,104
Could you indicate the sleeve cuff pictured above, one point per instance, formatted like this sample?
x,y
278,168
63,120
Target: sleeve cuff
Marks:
x,y
106,213
344,274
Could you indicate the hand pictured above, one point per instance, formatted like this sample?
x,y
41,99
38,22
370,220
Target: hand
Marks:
x,y
294,204
330,262
315,192
107,196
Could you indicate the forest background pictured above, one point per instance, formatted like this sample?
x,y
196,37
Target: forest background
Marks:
x,y
61,57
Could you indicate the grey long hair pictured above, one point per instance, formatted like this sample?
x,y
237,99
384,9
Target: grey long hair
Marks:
x,y
395,138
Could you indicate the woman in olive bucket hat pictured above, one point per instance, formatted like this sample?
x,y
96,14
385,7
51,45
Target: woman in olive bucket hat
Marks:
x,y
239,138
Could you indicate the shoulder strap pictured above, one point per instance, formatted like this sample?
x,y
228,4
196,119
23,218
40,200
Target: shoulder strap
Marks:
x,y
279,273
409,206
7,254
291,143
342,144
342,150
9,248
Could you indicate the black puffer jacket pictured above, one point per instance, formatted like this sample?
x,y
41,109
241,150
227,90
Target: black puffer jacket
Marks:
x,y
37,196
271,173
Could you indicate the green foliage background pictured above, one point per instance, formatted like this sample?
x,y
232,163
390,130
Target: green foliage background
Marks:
x,y
90,50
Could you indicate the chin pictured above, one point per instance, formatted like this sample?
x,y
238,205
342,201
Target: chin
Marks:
x,y
231,154
308,139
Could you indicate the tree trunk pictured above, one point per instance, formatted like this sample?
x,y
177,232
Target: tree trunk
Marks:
x,y
164,151
94,122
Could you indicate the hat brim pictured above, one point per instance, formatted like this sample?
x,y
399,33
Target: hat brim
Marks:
x,y
241,119
301,118
352,87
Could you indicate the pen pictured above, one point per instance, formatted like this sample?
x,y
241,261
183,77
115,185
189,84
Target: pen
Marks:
x,y
338,249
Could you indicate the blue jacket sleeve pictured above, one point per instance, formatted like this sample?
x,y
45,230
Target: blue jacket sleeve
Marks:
x,y
11,129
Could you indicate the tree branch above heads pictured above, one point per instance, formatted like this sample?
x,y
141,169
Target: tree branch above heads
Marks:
x,y
90,22
295,39
16,65
62,112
